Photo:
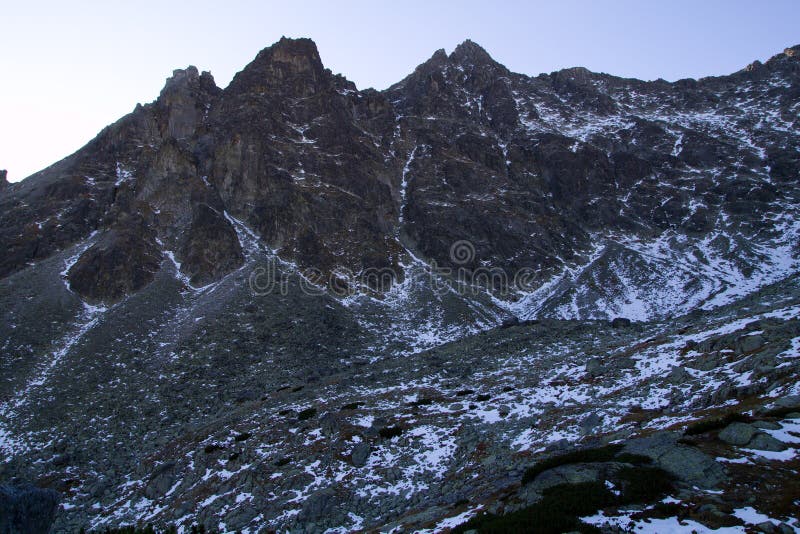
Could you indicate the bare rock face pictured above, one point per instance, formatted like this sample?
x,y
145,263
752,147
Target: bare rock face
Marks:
x,y
124,260
310,175
185,99
535,172
211,249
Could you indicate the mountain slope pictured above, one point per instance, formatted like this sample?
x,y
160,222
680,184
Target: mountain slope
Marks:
x,y
216,262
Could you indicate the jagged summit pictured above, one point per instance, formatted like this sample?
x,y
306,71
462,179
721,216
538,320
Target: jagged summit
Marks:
x,y
472,53
284,62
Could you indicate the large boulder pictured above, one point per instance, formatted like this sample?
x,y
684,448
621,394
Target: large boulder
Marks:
x,y
765,442
161,481
685,463
122,261
738,434
360,454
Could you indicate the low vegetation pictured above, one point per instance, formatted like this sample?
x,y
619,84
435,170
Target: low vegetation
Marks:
x,y
557,512
562,506
390,432
306,414
716,423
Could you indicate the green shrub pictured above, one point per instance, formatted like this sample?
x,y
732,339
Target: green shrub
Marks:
x,y
781,412
390,432
644,484
213,447
308,413
283,461
558,511
707,425
635,459
483,397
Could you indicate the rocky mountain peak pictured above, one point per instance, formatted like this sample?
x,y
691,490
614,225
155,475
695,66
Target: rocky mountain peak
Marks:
x,y
189,78
184,99
470,52
293,55
288,59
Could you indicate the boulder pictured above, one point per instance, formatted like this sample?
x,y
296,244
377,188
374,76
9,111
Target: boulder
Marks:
x,y
765,442
594,367
360,454
161,481
329,424
678,375
685,463
590,422
738,434
767,425
751,343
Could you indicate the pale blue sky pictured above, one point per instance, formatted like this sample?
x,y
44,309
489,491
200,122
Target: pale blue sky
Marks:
x,y
70,68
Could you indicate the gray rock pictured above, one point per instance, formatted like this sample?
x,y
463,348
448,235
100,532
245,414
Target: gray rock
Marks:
x,y
594,367
329,424
678,375
360,454
738,434
747,344
319,505
767,425
590,422
685,463
765,442
789,401
162,479
567,474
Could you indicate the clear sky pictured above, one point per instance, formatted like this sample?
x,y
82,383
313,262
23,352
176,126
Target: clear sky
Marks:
x,y
67,69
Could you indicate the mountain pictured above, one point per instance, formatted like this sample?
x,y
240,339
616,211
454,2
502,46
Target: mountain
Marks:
x,y
220,309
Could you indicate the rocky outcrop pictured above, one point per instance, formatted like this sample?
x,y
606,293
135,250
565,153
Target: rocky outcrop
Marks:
x,y
211,248
124,260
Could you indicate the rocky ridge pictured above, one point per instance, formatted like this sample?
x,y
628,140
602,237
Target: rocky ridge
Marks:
x,y
270,300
